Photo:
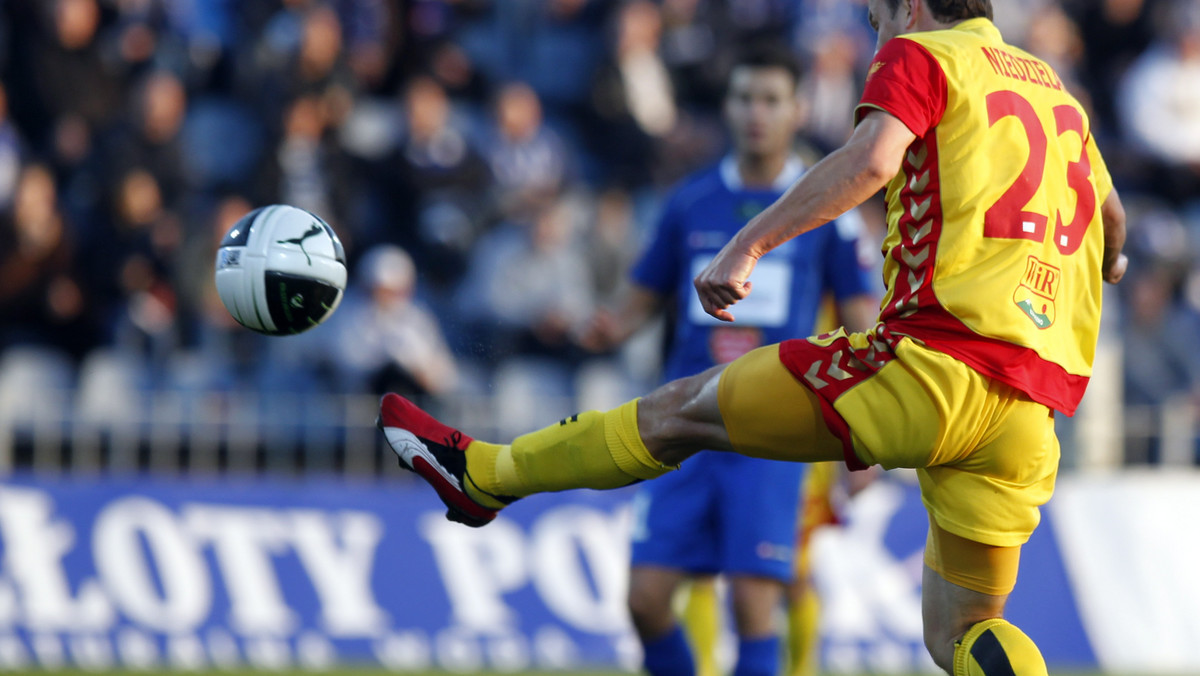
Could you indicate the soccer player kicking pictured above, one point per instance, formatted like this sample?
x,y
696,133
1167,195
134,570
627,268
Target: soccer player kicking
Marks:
x,y
722,511
1002,225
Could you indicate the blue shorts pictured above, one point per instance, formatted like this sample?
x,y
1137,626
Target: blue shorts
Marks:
x,y
720,513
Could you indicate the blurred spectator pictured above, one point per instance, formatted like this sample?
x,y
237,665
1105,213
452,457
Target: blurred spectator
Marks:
x,y
528,285
366,27
693,53
435,162
383,339
1056,39
554,45
151,137
1161,362
311,171
426,23
645,82
41,300
136,38
611,244
632,97
223,142
208,31
133,263
438,152
200,307
453,68
302,54
320,56
1016,18
218,353
1115,32
81,92
817,18
1159,103
555,48
829,89
529,162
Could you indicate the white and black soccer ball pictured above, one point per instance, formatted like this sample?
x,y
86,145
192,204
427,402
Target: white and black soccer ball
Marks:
x,y
281,270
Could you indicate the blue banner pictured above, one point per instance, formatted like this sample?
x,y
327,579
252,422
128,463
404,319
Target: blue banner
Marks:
x,y
194,574
191,574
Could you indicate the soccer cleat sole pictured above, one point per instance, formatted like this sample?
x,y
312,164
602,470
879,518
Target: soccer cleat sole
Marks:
x,y
415,457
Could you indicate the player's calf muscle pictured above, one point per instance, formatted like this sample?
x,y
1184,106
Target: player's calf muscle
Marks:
x,y
682,417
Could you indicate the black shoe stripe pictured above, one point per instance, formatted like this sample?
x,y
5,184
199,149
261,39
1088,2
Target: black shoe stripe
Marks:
x,y
990,655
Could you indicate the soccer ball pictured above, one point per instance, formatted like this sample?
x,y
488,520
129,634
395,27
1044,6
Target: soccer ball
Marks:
x,y
281,270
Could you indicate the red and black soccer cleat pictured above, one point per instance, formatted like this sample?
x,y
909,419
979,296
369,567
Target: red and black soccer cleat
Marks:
x,y
436,453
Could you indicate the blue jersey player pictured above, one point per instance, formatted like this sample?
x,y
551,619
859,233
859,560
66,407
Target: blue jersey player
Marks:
x,y
727,513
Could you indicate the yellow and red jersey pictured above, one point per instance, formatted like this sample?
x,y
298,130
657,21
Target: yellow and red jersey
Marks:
x,y
995,238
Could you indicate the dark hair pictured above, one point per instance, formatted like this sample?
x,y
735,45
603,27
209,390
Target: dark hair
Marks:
x,y
953,10
768,55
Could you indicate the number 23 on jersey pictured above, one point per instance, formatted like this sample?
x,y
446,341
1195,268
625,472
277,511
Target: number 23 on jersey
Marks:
x,y
1011,216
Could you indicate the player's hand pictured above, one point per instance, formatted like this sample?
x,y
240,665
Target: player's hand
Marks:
x,y
724,281
1114,270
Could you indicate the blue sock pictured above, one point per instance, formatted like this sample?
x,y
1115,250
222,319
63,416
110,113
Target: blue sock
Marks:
x,y
757,657
669,655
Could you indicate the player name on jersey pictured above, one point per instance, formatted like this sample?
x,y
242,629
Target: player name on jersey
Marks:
x,y
1020,68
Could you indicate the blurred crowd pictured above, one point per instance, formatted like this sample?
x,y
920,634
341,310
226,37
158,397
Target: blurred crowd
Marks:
x,y
492,167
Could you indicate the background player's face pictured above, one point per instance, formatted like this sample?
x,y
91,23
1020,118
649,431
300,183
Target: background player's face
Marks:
x,y
887,23
761,110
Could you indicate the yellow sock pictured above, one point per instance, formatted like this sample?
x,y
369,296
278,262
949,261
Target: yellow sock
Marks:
x,y
995,647
588,450
701,619
803,634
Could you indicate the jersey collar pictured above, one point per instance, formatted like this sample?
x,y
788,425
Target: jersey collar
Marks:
x,y
980,26
732,178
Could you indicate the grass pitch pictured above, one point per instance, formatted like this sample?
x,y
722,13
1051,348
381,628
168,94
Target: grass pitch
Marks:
x,y
369,671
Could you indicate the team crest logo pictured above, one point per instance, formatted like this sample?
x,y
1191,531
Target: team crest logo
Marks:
x,y
1037,291
874,69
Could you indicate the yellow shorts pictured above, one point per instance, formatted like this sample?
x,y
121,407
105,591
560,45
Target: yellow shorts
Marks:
x,y
986,453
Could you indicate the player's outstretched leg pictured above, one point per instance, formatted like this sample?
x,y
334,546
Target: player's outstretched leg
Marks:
x,y
476,479
638,440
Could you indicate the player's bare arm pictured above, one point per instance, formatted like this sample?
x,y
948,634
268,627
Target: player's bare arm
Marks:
x,y
1115,262
841,181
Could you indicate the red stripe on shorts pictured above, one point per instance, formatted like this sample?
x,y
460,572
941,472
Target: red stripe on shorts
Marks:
x,y
829,366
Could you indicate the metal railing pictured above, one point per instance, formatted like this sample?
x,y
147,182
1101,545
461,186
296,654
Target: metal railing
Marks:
x,y
100,425
222,432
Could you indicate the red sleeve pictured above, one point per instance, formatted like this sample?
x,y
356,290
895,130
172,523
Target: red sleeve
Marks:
x,y
906,81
